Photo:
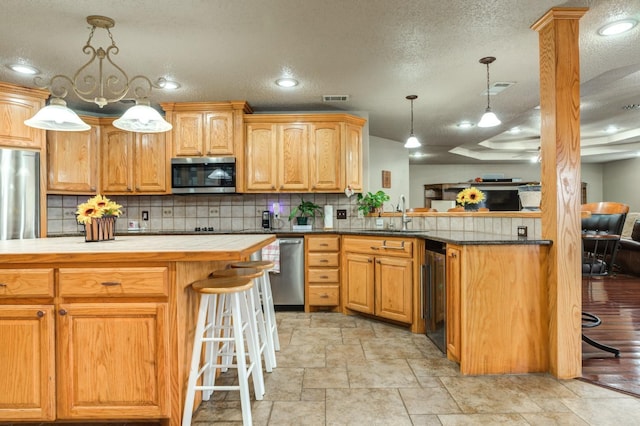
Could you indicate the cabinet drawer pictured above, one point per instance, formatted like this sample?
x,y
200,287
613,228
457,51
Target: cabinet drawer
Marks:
x,y
324,275
324,295
386,246
113,282
26,283
323,259
331,243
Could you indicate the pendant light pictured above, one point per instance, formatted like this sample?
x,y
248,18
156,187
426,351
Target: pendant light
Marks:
x,y
412,142
489,119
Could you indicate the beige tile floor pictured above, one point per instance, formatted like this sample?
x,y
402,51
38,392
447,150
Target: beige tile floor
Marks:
x,y
348,370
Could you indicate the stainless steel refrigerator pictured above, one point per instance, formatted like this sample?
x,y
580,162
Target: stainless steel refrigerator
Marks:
x,y
19,194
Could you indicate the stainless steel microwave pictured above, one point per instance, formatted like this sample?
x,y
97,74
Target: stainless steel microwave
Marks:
x,y
203,175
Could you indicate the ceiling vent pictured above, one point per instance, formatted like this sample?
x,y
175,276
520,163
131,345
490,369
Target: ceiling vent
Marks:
x,y
631,107
335,98
498,86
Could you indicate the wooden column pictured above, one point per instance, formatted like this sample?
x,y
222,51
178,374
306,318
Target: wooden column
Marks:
x,y
561,189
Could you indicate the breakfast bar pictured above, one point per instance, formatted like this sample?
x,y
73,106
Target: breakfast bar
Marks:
x,y
103,331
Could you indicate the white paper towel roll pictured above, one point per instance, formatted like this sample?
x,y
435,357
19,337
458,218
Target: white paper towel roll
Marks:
x,y
328,217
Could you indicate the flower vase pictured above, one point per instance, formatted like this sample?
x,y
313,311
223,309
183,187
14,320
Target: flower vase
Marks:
x,y
100,229
471,207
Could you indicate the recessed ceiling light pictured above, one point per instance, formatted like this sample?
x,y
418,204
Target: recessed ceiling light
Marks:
x,y
24,69
611,129
515,130
169,84
417,155
617,27
287,82
465,124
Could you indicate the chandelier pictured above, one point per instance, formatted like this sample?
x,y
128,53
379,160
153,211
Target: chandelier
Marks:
x,y
110,84
412,141
489,118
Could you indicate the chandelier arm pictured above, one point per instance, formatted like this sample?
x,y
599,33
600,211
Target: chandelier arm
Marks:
x,y
142,91
57,91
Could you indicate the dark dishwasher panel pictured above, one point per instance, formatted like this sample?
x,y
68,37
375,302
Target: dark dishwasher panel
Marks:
x,y
434,291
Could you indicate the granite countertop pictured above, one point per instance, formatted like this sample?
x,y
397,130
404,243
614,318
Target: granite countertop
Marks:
x,y
454,237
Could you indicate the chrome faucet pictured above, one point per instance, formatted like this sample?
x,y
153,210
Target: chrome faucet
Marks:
x,y
405,219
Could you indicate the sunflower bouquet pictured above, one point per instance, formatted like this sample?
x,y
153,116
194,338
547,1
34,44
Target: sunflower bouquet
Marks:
x,y
471,195
98,215
96,207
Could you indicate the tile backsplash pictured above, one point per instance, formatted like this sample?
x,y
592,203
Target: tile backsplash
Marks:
x,y
243,212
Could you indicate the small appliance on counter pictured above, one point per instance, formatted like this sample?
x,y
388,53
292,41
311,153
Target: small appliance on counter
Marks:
x,y
267,220
328,217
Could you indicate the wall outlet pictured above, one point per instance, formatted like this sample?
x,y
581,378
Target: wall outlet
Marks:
x,y
145,215
167,212
214,211
522,231
379,223
341,214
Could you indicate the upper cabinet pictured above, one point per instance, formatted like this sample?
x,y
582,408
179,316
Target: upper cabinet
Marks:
x,y
303,152
72,160
16,105
133,163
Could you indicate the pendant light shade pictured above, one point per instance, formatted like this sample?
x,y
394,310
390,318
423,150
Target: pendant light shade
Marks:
x,y
56,116
489,119
142,118
412,141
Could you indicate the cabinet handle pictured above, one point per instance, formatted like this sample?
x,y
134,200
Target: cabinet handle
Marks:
x,y
93,188
3,285
324,245
454,255
378,261
324,261
110,283
128,188
273,187
324,277
385,246
369,260
324,296
199,152
62,312
40,314
281,186
375,248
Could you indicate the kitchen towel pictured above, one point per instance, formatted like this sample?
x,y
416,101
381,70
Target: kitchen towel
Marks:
x,y
271,252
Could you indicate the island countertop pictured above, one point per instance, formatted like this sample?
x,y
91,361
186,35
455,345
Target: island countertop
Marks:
x,y
137,248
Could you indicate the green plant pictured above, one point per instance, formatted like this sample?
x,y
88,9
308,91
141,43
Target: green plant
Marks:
x,y
305,209
371,202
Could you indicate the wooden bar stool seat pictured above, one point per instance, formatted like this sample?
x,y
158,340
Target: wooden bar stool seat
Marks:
x,y
219,336
265,347
266,298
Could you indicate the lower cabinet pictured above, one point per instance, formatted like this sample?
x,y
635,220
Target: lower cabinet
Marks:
x,y
322,275
95,346
378,277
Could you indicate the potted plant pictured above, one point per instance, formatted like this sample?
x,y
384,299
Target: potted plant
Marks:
x,y
304,211
371,203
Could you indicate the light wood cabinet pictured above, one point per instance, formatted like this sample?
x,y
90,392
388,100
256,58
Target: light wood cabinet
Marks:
x,y
313,152
108,343
114,358
322,275
133,163
18,104
453,302
72,160
378,277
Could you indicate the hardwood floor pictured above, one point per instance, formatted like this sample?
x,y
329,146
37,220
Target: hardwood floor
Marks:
x,y
616,300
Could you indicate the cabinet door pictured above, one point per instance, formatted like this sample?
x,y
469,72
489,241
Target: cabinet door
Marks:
x,y
393,288
218,139
27,363
151,163
117,160
353,157
453,303
72,161
325,153
261,157
14,109
293,157
188,134
359,273
113,361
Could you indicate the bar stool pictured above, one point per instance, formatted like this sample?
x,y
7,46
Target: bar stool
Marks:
x,y
264,285
265,347
216,296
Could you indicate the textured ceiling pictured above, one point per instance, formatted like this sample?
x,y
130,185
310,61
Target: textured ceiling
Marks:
x,y
375,51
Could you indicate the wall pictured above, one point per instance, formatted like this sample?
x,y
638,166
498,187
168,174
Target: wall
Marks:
x,y
620,179
385,154
421,174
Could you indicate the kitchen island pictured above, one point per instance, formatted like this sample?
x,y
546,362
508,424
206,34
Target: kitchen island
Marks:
x,y
103,331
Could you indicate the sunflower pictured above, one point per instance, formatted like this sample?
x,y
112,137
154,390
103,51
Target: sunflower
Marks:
x,y
97,206
470,195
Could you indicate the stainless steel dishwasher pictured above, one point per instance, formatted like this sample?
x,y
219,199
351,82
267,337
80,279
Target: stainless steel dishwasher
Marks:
x,y
287,286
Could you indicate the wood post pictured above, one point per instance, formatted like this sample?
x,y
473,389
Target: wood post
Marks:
x,y
561,187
